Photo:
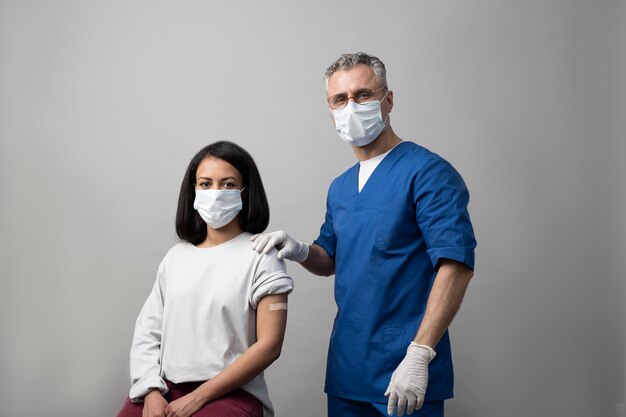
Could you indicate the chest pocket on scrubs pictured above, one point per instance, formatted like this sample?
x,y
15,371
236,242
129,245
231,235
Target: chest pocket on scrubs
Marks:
x,y
396,226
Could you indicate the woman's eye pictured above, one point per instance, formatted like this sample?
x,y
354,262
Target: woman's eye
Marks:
x,y
228,185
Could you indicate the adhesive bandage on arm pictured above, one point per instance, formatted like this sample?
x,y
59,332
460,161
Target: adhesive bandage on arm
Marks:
x,y
278,306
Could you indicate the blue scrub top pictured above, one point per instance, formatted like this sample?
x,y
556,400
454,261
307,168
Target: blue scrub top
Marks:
x,y
386,242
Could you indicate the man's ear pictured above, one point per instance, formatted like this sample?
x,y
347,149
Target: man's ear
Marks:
x,y
388,102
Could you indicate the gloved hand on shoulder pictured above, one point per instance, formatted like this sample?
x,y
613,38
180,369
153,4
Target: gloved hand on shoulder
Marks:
x,y
288,247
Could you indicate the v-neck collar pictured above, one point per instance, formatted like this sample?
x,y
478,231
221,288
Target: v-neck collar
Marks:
x,y
383,167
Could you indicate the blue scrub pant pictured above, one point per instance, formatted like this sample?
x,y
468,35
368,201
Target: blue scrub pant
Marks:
x,y
341,407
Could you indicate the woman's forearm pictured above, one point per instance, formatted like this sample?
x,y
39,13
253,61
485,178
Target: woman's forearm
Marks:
x,y
250,364
271,322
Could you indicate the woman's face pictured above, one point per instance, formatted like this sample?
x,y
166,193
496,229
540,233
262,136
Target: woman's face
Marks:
x,y
216,174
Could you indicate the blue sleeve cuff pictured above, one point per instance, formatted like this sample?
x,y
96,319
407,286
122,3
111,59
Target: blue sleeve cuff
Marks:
x,y
462,255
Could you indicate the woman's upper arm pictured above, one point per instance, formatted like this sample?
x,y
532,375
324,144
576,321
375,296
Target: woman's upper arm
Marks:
x,y
271,319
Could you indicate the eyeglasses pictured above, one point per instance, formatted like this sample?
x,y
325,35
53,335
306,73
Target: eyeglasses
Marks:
x,y
361,96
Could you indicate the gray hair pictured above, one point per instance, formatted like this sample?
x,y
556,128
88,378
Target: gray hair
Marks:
x,y
349,61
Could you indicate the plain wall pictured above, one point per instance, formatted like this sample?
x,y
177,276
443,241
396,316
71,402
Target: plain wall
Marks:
x,y
103,104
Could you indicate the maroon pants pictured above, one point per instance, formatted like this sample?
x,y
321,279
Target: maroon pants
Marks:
x,y
237,403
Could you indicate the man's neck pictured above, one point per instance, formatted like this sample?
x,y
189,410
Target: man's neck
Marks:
x,y
382,144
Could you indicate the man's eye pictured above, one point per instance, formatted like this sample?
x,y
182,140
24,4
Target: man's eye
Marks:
x,y
364,95
339,100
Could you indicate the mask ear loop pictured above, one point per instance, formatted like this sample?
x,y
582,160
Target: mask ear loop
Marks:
x,y
243,193
243,196
381,109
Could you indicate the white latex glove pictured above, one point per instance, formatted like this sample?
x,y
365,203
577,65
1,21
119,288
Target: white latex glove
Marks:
x,y
288,247
409,381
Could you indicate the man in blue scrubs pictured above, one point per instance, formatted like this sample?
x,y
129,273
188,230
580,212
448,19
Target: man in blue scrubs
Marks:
x,y
398,237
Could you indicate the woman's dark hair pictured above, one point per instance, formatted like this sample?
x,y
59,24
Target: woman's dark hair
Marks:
x,y
255,214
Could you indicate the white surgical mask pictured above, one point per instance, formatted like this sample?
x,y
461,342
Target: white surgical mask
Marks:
x,y
218,207
359,124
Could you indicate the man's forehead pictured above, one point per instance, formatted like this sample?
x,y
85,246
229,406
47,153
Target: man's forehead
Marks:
x,y
360,76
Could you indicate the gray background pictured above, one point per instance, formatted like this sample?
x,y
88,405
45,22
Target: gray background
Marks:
x,y
102,105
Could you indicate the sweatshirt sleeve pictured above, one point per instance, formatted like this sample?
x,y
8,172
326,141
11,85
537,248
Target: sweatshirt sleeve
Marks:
x,y
145,352
270,278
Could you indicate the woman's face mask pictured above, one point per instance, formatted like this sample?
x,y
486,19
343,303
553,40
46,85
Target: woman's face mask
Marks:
x,y
218,207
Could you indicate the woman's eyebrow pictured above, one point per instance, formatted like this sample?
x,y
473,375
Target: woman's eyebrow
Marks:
x,y
222,179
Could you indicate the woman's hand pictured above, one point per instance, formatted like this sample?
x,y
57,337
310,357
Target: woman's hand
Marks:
x,y
154,404
185,406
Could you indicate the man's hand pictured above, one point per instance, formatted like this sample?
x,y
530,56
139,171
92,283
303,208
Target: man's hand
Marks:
x,y
409,381
288,247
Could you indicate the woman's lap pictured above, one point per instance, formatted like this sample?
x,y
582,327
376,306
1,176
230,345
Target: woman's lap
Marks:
x,y
237,403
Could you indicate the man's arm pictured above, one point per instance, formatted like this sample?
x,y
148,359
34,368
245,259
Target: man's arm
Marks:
x,y
444,301
313,257
409,381
319,262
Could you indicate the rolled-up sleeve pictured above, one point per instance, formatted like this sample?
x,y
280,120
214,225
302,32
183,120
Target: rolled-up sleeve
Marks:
x,y
145,353
270,278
